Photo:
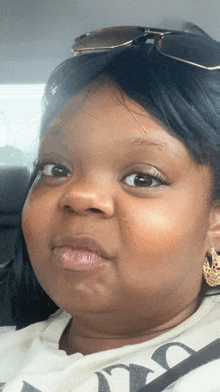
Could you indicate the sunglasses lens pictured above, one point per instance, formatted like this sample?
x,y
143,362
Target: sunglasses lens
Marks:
x,y
193,48
107,38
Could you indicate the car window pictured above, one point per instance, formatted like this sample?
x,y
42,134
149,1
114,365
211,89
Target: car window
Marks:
x,y
20,112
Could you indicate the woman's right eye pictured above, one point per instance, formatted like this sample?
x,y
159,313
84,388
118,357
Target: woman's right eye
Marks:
x,y
54,170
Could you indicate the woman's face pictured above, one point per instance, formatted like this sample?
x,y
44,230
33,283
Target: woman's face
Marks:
x,y
112,176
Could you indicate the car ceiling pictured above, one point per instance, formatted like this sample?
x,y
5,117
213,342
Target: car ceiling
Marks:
x,y
36,35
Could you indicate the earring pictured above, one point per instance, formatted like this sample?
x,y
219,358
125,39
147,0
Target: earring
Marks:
x,y
212,274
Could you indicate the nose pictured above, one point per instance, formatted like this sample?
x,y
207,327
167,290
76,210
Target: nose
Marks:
x,y
84,198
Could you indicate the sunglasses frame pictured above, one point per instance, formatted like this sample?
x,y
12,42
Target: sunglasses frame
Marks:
x,y
152,33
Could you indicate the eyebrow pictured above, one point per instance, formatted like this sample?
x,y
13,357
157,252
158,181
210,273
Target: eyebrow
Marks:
x,y
139,142
130,142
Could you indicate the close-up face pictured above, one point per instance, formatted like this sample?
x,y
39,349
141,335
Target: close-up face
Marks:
x,y
116,221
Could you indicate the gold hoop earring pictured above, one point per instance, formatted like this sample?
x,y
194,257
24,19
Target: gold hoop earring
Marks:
x,y
212,274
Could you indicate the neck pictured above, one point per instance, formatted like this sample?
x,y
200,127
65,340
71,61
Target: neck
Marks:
x,y
95,334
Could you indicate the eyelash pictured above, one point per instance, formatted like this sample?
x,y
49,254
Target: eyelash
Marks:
x,y
40,167
154,175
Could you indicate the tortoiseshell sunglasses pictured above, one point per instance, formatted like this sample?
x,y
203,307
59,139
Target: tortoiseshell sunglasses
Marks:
x,y
195,49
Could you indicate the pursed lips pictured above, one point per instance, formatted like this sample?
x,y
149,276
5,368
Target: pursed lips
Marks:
x,y
80,243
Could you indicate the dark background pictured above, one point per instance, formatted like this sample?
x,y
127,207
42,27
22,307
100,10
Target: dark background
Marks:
x,y
36,35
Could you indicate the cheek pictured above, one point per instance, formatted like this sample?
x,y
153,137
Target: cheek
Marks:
x,y
37,218
37,226
170,232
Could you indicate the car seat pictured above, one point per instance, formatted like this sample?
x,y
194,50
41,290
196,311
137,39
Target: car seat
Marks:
x,y
13,186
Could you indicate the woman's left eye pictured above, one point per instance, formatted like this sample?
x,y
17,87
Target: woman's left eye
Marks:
x,y
143,180
55,170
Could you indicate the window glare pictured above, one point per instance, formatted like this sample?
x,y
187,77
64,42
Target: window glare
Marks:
x,y
20,112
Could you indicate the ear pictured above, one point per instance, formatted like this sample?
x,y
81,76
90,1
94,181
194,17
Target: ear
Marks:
x,y
213,234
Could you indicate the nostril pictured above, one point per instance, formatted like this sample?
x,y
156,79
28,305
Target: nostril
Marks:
x,y
68,208
96,210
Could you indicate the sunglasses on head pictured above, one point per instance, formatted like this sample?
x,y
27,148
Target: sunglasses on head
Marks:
x,y
194,49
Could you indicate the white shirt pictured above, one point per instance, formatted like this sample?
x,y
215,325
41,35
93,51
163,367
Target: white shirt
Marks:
x,y
30,359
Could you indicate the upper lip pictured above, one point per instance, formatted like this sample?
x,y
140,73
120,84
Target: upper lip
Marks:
x,y
82,242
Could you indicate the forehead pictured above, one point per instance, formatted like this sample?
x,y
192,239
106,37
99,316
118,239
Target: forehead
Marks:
x,y
100,96
102,109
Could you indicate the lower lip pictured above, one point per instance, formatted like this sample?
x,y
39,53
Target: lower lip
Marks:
x,y
76,260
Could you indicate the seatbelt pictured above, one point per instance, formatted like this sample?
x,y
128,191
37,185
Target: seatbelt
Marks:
x,y
201,357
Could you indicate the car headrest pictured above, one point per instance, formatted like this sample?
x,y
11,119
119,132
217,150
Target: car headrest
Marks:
x,y
13,186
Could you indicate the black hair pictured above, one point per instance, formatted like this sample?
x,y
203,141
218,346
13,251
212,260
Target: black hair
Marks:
x,y
184,98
